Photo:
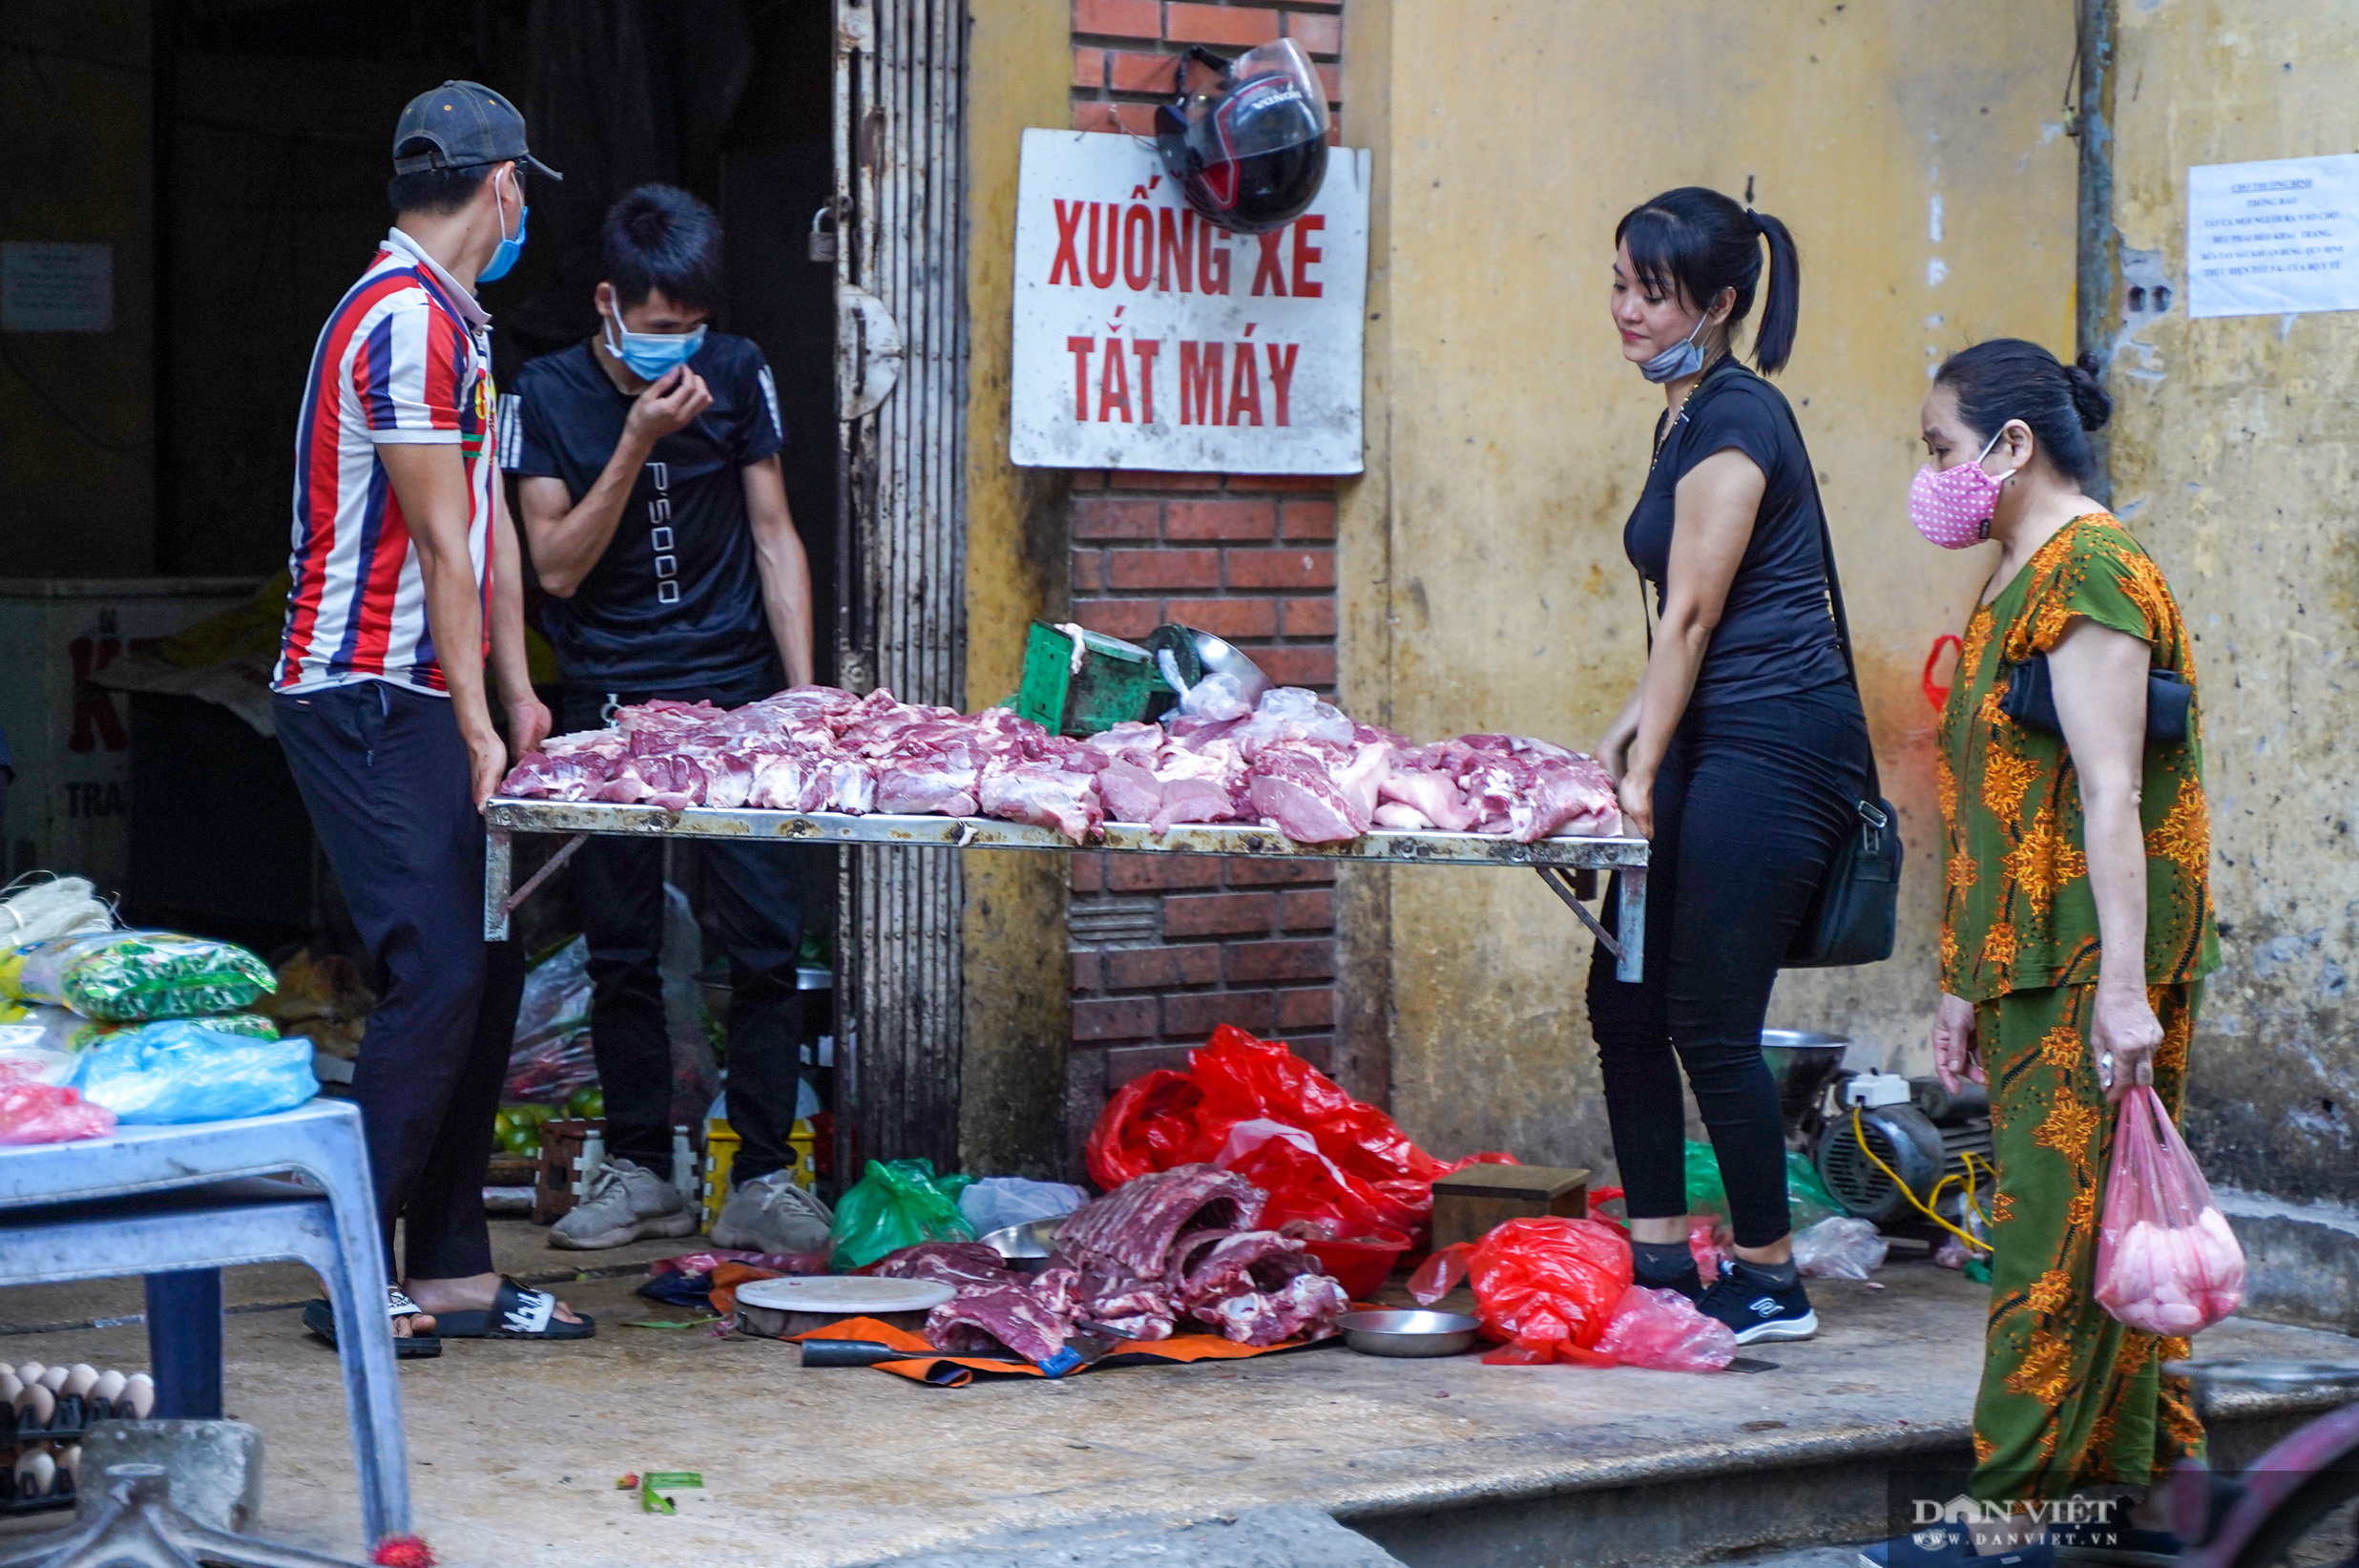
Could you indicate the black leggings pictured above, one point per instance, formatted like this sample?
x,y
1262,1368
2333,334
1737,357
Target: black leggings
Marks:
x,y
1750,802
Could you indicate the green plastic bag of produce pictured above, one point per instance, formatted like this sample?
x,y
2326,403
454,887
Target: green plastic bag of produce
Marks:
x,y
1807,1201
897,1203
123,976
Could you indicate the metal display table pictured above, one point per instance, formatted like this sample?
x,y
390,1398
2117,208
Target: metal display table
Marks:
x,y
1569,865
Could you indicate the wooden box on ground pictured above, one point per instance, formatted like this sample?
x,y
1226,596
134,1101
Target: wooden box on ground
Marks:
x,y
1468,1203
560,1147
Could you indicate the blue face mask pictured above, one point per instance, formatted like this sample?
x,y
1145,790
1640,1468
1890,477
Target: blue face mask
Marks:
x,y
1680,359
506,256
648,355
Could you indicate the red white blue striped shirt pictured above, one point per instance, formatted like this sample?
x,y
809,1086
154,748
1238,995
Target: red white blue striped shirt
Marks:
x,y
405,357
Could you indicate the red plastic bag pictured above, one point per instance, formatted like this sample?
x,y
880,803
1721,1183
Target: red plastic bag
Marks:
x,y
32,1112
1704,1245
1148,1125
2166,1261
1302,1183
1367,1164
1547,1287
1662,1330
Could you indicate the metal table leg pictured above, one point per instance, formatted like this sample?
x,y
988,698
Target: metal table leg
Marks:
x,y
184,1343
499,868
1629,918
1629,960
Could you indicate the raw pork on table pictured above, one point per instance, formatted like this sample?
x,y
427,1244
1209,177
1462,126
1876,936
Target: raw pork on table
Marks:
x,y
1295,764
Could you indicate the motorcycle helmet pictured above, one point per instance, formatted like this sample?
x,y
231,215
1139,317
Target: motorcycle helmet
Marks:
x,y
1248,149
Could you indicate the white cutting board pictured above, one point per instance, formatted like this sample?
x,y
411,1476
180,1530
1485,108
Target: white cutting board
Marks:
x,y
851,1293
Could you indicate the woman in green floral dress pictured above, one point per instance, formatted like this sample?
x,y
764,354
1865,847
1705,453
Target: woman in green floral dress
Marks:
x,y
2076,919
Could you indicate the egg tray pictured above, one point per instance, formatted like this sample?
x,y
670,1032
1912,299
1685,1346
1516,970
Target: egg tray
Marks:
x,y
60,1494
74,1416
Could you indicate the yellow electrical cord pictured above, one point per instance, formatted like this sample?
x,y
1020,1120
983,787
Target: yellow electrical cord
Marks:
x,y
1859,1130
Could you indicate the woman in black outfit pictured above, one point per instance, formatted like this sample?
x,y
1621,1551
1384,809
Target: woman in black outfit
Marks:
x,y
1743,754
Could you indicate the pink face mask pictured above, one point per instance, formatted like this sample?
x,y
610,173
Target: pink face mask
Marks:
x,y
1953,507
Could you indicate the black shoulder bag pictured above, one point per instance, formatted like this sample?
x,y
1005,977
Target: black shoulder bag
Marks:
x,y
1855,916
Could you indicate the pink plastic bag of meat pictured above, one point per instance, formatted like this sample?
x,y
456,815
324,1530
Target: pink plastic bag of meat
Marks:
x,y
2166,1261
1662,1330
32,1112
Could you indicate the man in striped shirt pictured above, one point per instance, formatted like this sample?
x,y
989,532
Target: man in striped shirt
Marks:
x,y
407,588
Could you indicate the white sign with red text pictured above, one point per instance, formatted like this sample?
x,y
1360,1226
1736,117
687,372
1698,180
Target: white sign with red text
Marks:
x,y
1146,338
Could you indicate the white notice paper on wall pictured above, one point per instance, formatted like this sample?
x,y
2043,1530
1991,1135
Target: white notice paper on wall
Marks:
x,y
56,288
1146,338
2268,239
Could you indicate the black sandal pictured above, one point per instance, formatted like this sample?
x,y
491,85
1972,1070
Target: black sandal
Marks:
x,y
321,1319
516,1313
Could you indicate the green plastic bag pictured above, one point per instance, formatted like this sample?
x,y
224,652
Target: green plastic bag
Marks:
x,y
896,1203
1807,1201
1705,1193
124,977
1807,1198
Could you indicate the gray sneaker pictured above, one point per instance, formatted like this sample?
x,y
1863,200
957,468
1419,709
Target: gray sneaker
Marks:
x,y
626,1202
771,1214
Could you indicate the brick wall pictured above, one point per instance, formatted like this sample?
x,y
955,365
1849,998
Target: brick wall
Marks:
x,y
1164,948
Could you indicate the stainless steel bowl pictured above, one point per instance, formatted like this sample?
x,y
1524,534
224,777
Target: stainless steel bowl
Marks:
x,y
1408,1333
1218,658
1801,1060
1025,1248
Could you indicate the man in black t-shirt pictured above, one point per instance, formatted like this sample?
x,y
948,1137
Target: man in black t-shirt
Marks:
x,y
656,515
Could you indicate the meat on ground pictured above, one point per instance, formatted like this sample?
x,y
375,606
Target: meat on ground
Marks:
x,y
1136,1224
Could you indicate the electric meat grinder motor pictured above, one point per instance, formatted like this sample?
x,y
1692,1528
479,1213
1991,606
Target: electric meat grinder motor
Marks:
x,y
1918,1129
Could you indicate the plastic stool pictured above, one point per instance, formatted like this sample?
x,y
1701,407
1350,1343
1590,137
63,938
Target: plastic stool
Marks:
x,y
180,1234
137,1524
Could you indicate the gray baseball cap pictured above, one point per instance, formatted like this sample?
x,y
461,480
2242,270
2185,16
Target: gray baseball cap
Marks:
x,y
468,125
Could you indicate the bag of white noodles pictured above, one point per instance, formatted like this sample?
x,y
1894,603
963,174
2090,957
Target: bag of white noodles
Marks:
x,y
2166,1261
122,976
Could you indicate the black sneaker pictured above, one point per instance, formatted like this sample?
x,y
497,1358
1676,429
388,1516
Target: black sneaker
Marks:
x,y
1757,1309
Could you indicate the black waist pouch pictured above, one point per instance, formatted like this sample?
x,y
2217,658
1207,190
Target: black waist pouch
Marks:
x,y
2031,701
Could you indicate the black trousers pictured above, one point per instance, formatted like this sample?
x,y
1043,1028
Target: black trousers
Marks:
x,y
384,774
756,905
1751,804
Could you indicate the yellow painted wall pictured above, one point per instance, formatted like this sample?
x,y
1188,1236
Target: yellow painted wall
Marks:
x,y
1918,159
2234,460
1018,1016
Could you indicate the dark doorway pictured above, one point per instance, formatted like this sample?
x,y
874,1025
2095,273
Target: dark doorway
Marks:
x,y
272,135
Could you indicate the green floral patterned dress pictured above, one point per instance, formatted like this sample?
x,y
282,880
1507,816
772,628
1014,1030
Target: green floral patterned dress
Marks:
x,y
2070,1398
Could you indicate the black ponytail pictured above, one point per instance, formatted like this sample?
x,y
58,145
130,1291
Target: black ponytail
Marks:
x,y
2008,378
1696,243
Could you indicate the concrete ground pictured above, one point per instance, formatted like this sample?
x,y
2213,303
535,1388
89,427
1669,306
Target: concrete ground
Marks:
x,y
515,1447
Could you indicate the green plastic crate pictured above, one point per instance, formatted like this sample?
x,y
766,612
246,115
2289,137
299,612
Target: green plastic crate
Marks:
x,y
1118,681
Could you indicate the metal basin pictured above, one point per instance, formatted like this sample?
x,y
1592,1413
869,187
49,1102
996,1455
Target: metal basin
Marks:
x,y
1408,1333
1802,1061
1025,1248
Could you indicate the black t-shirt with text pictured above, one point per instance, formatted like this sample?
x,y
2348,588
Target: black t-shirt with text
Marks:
x,y
676,601
1777,632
